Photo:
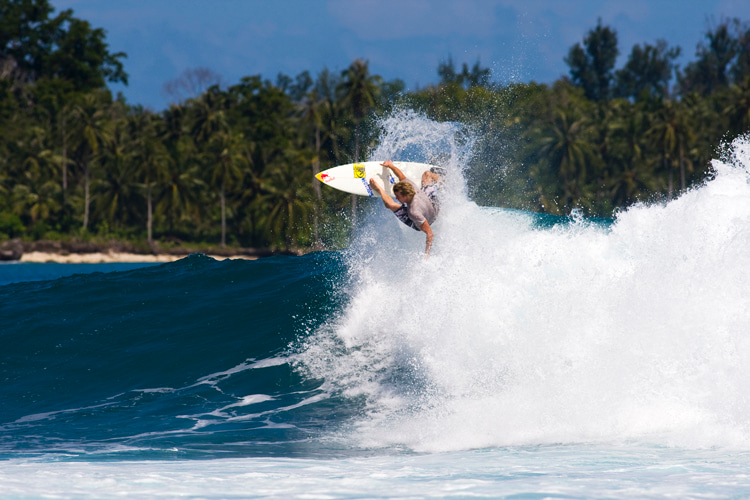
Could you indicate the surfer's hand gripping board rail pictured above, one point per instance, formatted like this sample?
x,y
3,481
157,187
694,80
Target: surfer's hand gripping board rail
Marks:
x,y
355,178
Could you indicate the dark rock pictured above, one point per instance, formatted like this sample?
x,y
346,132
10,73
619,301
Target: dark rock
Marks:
x,y
46,246
11,249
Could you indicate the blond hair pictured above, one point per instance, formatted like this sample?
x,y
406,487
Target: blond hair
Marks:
x,y
404,188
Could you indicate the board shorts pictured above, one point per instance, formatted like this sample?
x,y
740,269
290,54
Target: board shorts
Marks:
x,y
431,190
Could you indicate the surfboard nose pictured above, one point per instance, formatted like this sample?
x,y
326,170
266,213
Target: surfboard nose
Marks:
x,y
324,177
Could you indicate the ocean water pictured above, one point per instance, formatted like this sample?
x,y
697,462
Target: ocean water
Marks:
x,y
35,271
529,357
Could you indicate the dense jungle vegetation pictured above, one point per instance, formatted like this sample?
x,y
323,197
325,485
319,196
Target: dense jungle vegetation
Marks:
x,y
234,164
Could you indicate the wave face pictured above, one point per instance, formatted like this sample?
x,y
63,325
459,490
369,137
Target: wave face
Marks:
x,y
187,359
520,330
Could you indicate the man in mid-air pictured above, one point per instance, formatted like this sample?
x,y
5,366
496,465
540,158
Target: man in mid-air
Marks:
x,y
417,206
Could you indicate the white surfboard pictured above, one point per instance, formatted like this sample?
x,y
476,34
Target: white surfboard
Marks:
x,y
355,177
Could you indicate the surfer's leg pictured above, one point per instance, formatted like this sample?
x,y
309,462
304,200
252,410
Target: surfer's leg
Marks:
x,y
429,178
431,190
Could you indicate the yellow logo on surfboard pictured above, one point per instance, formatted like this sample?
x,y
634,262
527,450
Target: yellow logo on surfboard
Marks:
x,y
359,170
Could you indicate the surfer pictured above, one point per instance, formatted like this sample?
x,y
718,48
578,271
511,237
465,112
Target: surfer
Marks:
x,y
417,206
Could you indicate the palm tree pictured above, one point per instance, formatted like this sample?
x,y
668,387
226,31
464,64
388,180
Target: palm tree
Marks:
x,y
208,115
285,195
114,190
631,179
222,149
35,181
114,193
93,128
226,169
359,90
183,184
332,114
38,201
180,190
151,160
671,132
564,146
174,124
738,108
312,110
63,115
38,195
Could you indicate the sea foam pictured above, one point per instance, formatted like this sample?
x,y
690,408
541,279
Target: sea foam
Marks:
x,y
511,334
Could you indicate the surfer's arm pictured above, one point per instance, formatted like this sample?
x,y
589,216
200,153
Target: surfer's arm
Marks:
x,y
425,227
395,169
389,203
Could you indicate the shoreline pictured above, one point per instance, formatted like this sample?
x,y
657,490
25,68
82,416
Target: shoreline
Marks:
x,y
112,257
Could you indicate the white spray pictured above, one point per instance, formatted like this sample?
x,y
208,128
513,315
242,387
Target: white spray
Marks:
x,y
514,335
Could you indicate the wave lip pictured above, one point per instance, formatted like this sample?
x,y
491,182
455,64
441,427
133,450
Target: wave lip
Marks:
x,y
515,333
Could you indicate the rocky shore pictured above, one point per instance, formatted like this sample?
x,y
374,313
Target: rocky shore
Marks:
x,y
115,251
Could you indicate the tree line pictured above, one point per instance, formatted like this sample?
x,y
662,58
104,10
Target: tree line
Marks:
x,y
601,138
235,164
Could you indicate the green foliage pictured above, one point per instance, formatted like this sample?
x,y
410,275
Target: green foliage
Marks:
x,y
648,72
11,225
722,59
235,165
476,77
36,46
592,65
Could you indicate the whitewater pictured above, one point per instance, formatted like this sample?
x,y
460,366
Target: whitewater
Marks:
x,y
529,357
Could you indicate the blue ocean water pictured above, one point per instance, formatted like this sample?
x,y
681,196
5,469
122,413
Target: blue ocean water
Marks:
x,y
16,272
529,357
185,359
